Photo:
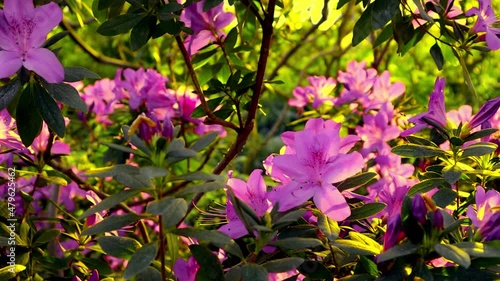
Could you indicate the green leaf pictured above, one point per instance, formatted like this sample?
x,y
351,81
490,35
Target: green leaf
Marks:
x,y
451,174
209,4
385,35
421,141
425,186
315,270
8,92
357,277
205,187
142,258
210,267
110,202
453,253
125,174
363,27
204,141
398,251
29,123
479,149
54,39
282,265
415,150
176,151
100,265
49,110
357,180
329,227
119,24
46,236
288,218
296,243
483,250
197,176
437,56
367,210
444,197
141,33
253,272
149,274
111,223
480,134
9,272
120,247
75,74
135,140
153,172
68,95
383,12
219,239
356,247
172,210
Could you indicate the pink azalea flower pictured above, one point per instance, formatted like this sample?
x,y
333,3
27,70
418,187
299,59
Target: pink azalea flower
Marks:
x,y
486,20
485,202
207,26
436,111
186,270
357,81
101,99
319,92
383,92
253,193
376,132
23,29
312,166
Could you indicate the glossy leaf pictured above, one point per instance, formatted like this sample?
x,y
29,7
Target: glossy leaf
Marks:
x,y
454,254
8,92
119,24
365,211
49,110
479,149
29,123
110,202
397,251
142,258
282,265
120,247
75,74
253,272
68,95
296,243
415,150
111,223
210,267
329,227
218,239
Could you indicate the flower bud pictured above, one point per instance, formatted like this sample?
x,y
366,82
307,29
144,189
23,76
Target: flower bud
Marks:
x,y
438,220
418,208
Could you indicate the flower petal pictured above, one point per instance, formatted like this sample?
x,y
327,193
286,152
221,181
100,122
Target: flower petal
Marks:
x,y
290,195
18,9
11,62
342,167
332,203
234,229
46,17
45,63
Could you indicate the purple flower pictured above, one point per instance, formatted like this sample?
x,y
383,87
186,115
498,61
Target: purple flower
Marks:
x,y
418,208
490,230
376,132
394,232
357,81
101,100
319,92
436,111
486,201
438,220
383,92
488,110
23,29
486,19
186,270
207,26
312,165
253,193
94,276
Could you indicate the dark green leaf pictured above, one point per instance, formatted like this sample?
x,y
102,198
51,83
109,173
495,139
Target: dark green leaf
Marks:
x,y
385,35
231,38
141,33
437,55
363,27
329,227
315,270
111,223
8,92
54,39
135,140
480,134
119,24
453,253
110,202
342,3
282,265
477,249
479,149
383,12
171,7
104,4
451,174
415,150
171,209
397,251
421,141
209,4
49,110
68,95
218,239
120,247
29,123
366,210
356,180
204,141
296,243
210,267
425,185
75,74
46,236
205,187
253,272
149,274
444,197
141,260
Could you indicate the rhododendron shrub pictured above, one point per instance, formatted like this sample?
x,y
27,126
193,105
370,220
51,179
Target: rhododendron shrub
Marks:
x,y
244,140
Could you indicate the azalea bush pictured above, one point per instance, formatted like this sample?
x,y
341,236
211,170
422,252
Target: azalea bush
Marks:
x,y
249,140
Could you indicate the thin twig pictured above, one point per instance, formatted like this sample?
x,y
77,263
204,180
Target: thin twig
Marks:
x,y
92,52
